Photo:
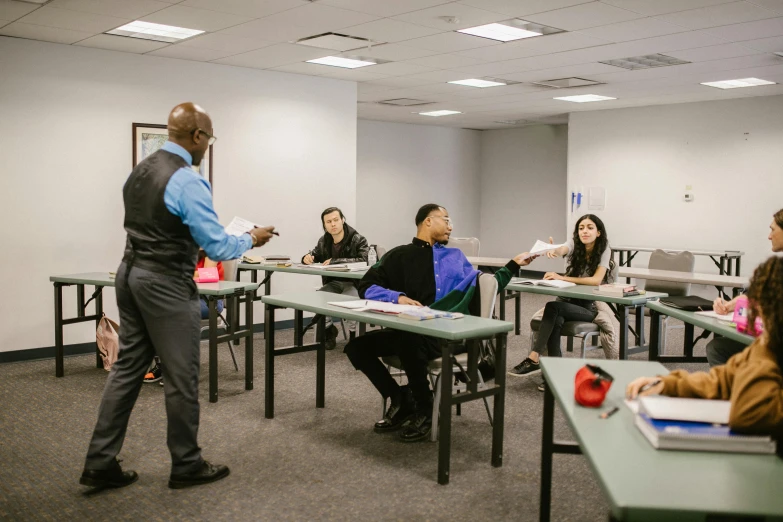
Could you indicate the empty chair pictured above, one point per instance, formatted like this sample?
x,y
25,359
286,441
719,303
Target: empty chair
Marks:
x,y
469,245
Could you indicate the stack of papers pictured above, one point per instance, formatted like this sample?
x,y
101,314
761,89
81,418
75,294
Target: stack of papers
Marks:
x,y
729,317
553,283
542,247
239,226
367,305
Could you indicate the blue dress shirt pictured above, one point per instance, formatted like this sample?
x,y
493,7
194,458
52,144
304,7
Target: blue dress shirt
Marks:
x,y
188,197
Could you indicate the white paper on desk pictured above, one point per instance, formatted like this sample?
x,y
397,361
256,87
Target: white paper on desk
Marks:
x,y
239,226
715,315
542,247
367,305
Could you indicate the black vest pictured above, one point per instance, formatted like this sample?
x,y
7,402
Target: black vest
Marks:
x,y
157,240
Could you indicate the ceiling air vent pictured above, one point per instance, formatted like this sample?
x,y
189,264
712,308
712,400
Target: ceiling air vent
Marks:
x,y
645,62
562,83
337,42
404,102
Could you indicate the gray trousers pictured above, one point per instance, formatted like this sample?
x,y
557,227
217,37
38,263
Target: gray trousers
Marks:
x,y
720,350
159,315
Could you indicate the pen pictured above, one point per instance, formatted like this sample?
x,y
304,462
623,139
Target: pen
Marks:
x,y
607,414
649,386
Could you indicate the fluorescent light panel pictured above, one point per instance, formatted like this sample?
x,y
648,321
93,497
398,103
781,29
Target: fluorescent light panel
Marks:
x,y
500,32
476,82
734,84
584,98
439,113
336,41
156,32
346,63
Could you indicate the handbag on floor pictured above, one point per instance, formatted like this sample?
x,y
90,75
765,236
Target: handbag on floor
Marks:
x,y
108,340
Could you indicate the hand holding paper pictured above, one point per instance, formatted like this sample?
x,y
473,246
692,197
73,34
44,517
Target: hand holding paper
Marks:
x,y
541,248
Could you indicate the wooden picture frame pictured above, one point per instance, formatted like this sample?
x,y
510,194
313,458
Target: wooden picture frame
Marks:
x,y
149,137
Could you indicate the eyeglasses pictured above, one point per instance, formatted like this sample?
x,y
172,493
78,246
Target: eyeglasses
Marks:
x,y
212,139
447,220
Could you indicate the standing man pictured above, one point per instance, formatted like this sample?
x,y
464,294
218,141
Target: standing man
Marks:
x,y
168,215
339,244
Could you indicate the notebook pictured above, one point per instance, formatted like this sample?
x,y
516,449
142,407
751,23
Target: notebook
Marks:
x,y
553,283
700,436
368,305
729,318
685,409
425,313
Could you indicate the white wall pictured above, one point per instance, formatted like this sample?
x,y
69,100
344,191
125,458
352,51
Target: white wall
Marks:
x,y
401,167
730,151
523,179
286,150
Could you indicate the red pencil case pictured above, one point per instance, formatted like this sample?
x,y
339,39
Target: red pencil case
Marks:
x,y
591,385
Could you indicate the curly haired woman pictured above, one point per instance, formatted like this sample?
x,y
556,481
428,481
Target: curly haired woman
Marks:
x,y
752,379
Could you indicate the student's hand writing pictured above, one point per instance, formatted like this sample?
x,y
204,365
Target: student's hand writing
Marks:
x,y
632,390
720,306
553,275
552,254
262,235
327,261
524,258
308,259
408,301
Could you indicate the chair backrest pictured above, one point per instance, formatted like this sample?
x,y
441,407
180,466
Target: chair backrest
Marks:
x,y
468,245
489,293
679,262
379,251
230,270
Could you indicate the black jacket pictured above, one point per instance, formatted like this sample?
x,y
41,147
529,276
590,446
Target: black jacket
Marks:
x,y
355,248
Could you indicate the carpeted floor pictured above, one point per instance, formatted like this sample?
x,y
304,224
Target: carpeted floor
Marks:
x,y
305,464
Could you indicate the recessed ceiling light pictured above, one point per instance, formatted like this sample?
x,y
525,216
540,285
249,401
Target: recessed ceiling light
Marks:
x,y
734,84
439,113
347,63
336,41
404,102
475,82
648,61
500,32
584,98
156,32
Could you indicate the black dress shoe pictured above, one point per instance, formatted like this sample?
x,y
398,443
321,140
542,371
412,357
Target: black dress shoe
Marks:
x,y
330,337
204,475
113,477
397,413
417,427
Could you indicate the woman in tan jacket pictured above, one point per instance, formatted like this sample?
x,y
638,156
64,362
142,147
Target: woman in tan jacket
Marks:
x,y
752,379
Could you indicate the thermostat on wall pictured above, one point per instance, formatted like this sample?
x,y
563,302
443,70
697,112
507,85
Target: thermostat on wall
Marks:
x,y
688,197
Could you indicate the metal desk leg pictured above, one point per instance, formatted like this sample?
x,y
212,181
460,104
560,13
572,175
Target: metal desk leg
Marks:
x,y
499,400
622,316
517,312
444,437
688,348
298,335
99,313
640,325
737,267
722,265
729,265
58,331
656,332
269,361
248,339
320,370
213,358
547,450
502,297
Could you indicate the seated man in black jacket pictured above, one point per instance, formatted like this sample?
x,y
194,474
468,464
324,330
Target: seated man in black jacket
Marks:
x,y
339,244
422,273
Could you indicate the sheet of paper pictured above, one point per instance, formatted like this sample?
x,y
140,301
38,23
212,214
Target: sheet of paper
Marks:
x,y
239,226
542,247
715,315
633,405
367,305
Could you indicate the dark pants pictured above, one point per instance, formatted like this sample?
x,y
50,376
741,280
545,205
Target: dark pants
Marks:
x,y
205,308
555,314
720,350
414,351
159,315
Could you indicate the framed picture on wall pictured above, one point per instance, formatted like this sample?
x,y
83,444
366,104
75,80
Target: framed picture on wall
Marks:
x,y
149,137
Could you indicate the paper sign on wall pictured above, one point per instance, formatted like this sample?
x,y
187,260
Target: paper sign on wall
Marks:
x,y
596,198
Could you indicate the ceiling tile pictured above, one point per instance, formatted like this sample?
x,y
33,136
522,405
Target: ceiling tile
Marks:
x,y
4,22
586,70
492,69
584,16
44,33
230,43
714,52
11,10
384,8
249,8
749,30
724,14
451,42
121,43
195,54
439,76
310,69
274,56
400,82
398,69
365,88
267,29
193,18
388,30
658,7
446,61
132,9
468,17
772,45
553,43
522,7
633,30
320,18
772,5
73,20
396,52
356,75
